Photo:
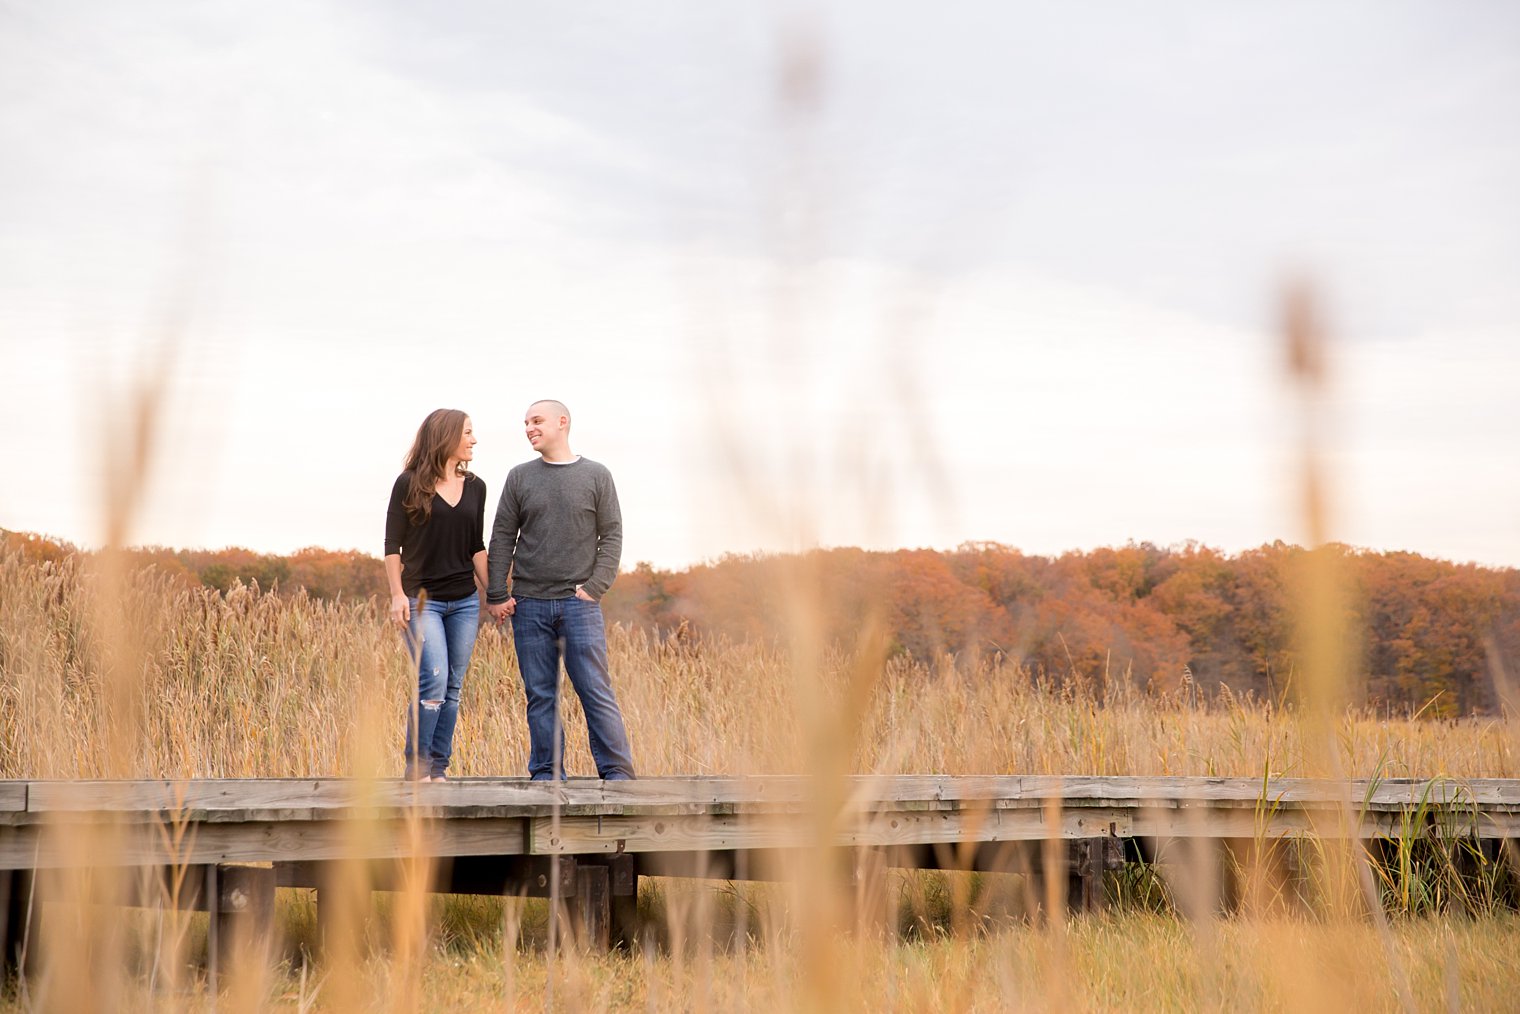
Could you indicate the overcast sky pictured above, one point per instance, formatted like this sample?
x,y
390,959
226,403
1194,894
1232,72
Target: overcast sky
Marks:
x,y
846,274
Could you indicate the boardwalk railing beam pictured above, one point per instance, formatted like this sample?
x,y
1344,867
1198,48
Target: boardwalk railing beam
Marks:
x,y
504,875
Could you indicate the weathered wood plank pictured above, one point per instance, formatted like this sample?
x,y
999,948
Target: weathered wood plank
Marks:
x,y
274,799
39,846
717,832
12,796
310,799
111,796
276,819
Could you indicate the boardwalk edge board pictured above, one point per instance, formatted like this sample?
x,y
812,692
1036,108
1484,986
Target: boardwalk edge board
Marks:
x,y
205,798
47,823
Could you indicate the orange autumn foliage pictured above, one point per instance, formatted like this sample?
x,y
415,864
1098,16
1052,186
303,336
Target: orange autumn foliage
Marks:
x,y
1433,635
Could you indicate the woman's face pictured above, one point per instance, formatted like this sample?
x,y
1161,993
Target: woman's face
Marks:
x,y
466,449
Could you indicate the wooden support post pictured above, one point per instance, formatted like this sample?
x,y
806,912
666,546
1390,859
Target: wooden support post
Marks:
x,y
1078,875
325,901
1196,871
343,899
874,908
563,883
1084,875
1296,874
10,943
20,919
1470,856
1090,859
1262,876
1034,865
1239,862
623,874
243,917
591,910
1509,857
213,933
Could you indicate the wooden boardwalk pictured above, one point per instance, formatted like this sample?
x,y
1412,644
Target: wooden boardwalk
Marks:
x,y
592,840
277,820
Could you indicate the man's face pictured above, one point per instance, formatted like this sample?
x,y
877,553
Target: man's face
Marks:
x,y
542,426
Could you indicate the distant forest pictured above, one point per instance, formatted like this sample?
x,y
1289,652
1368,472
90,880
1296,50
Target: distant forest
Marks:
x,y
1433,636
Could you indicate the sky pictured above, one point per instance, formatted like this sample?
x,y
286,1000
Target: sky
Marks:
x,y
856,273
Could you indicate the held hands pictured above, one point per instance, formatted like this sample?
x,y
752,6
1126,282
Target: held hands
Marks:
x,y
499,611
401,610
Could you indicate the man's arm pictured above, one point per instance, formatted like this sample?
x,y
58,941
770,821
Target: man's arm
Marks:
x,y
609,538
503,545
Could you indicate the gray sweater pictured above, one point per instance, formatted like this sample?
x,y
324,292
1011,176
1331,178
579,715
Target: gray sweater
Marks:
x,y
557,526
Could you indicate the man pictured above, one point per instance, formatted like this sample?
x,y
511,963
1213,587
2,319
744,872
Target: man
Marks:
x,y
558,534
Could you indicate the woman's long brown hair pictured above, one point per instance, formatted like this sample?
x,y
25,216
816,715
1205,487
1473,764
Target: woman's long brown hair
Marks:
x,y
437,438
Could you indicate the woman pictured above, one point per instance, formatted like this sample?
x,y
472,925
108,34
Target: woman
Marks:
x,y
435,560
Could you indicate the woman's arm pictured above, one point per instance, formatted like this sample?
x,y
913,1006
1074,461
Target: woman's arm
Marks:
x,y
396,526
478,561
401,607
501,610
479,557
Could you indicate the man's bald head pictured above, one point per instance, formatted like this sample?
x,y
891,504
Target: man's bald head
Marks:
x,y
550,406
547,424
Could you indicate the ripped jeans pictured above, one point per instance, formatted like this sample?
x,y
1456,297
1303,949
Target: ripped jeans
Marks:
x,y
440,637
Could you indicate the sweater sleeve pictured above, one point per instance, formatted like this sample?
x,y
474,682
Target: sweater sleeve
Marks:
x,y
503,544
395,516
609,537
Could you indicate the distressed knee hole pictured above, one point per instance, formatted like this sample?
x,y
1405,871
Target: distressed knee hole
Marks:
x,y
432,705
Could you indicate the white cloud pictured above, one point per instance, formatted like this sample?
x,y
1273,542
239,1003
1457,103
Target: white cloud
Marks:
x,y
1027,296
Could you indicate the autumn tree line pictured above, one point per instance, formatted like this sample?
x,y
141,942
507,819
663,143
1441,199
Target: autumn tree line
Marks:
x,y
1430,636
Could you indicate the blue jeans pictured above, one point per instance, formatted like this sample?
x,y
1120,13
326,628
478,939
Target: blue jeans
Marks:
x,y
542,631
440,637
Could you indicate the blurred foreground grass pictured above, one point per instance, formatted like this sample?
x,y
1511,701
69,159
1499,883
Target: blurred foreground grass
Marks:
x,y
1131,961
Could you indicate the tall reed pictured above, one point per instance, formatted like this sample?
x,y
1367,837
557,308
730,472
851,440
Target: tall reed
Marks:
x,y
257,685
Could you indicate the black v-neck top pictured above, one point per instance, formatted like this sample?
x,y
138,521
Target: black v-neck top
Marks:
x,y
436,556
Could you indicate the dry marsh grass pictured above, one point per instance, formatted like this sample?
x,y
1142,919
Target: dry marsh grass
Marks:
x,y
253,685
1134,962
249,684
1137,963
